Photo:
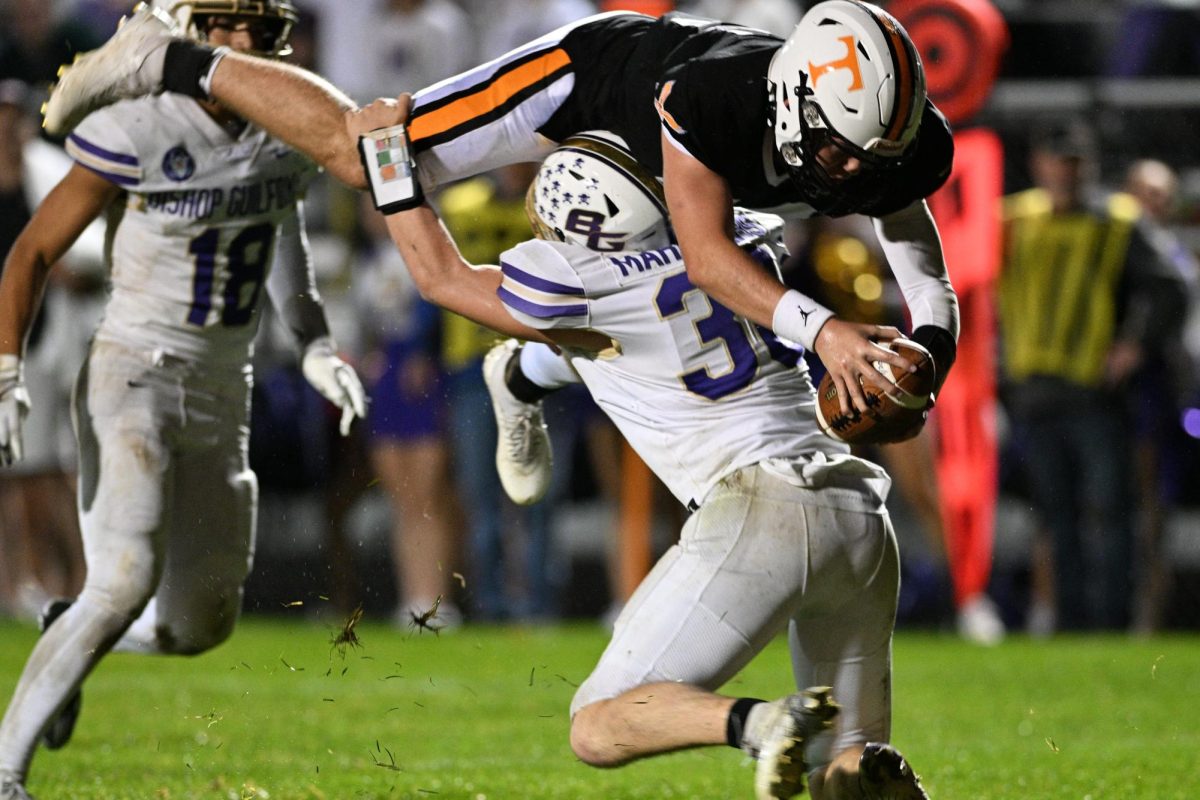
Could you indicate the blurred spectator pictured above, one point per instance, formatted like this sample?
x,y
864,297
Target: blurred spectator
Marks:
x,y
1156,38
415,43
408,447
486,216
774,16
40,551
1163,385
1080,306
849,273
35,39
408,44
101,16
505,24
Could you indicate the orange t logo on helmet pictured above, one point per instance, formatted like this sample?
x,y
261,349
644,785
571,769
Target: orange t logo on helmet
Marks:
x,y
849,61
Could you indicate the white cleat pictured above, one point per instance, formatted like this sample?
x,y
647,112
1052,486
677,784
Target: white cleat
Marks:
x,y
130,64
779,736
523,456
884,774
11,788
979,621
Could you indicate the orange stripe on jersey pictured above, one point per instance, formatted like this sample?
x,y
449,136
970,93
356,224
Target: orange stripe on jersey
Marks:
x,y
904,82
495,93
660,106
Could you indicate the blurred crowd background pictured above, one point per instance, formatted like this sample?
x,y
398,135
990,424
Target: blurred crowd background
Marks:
x,y
1092,97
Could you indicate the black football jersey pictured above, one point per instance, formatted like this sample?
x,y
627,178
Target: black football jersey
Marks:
x,y
710,80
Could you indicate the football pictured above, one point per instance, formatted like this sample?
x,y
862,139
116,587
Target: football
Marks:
x,y
891,416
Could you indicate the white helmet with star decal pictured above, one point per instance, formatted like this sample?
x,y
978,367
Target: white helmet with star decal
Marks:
x,y
592,191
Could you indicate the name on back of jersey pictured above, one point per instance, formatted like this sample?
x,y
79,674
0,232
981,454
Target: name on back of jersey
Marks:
x,y
632,266
244,200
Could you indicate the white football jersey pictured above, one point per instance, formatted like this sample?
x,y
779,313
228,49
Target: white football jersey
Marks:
x,y
191,249
697,391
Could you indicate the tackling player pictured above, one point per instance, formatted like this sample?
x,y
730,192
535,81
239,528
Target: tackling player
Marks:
x,y
833,120
787,531
204,213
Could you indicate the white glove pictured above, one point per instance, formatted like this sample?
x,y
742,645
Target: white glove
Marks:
x,y
14,405
335,380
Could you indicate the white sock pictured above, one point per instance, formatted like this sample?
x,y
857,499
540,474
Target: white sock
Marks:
x,y
547,368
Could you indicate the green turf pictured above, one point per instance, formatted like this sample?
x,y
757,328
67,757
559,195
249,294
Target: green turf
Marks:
x,y
483,714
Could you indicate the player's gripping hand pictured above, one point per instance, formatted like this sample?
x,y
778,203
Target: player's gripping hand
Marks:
x,y
335,380
848,350
14,405
383,112
387,155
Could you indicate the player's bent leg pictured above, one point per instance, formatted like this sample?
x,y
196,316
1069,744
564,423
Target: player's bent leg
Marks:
x,y
842,636
210,547
121,499
709,605
651,719
130,64
63,657
524,459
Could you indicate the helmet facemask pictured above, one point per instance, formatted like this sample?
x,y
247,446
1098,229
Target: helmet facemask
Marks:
x,y
809,156
269,22
847,84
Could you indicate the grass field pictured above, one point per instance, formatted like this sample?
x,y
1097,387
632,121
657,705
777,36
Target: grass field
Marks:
x,y
276,712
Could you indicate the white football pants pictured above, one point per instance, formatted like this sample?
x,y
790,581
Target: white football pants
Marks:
x,y
167,505
762,553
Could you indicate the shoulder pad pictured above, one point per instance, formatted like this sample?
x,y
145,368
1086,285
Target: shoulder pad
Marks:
x,y
541,286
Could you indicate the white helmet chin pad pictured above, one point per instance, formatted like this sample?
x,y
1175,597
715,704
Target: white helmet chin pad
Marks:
x,y
850,71
592,191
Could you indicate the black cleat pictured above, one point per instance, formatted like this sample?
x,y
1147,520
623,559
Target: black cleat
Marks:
x,y
884,774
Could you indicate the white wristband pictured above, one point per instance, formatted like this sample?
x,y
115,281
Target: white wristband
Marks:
x,y
11,368
799,318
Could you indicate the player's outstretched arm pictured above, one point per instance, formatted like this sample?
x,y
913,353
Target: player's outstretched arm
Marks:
x,y
445,279
701,208
439,271
294,105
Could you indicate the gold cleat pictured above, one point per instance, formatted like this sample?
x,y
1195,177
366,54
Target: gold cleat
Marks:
x,y
793,723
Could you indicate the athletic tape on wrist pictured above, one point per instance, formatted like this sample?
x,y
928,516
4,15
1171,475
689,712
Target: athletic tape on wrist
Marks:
x,y
799,318
390,168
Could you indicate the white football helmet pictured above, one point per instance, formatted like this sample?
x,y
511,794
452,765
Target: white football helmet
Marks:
x,y
848,76
592,191
273,20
